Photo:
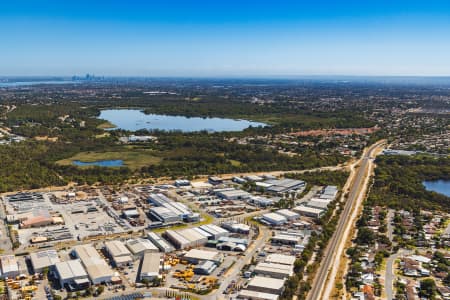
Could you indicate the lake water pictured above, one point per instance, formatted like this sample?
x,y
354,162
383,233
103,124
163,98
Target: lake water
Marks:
x,y
438,186
134,119
99,163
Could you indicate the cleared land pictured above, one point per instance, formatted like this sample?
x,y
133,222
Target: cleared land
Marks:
x,y
133,159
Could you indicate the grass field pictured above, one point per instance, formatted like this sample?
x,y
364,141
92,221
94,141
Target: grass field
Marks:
x,y
106,125
134,159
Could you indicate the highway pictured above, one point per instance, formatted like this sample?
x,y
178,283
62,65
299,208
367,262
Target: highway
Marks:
x,y
331,255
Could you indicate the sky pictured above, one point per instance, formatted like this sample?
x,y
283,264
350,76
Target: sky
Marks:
x,y
225,38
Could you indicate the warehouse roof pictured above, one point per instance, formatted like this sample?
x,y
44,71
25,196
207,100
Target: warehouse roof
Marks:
x,y
117,248
9,263
139,245
247,294
274,217
286,270
213,229
280,259
95,266
151,264
70,269
161,243
287,213
307,209
202,254
265,282
44,259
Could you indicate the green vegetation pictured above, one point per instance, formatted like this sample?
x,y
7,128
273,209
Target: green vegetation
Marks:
x,y
77,134
132,158
322,178
398,182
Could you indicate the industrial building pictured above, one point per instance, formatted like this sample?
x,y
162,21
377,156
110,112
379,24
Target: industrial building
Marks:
x,y
96,267
318,203
274,270
159,242
177,208
227,239
150,266
232,194
118,252
252,295
253,178
215,231
38,221
205,268
288,214
274,219
285,239
234,226
72,275
186,238
261,201
309,211
283,259
164,215
43,259
140,246
214,180
266,285
195,256
239,180
10,267
330,191
182,182
279,186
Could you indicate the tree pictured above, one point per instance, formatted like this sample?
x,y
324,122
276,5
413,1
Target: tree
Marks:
x,y
427,288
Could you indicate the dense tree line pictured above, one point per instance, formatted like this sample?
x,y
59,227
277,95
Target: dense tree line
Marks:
x,y
398,182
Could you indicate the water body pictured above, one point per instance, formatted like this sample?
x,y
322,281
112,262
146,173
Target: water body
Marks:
x,y
29,83
438,186
99,163
134,119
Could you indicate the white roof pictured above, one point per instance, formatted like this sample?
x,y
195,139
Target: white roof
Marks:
x,y
95,265
274,217
274,268
117,248
9,263
201,254
280,259
139,245
151,264
266,282
307,209
70,269
287,213
44,259
420,258
247,294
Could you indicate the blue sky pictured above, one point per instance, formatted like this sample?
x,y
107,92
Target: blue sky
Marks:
x,y
225,38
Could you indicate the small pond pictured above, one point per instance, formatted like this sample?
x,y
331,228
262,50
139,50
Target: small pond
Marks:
x,y
99,163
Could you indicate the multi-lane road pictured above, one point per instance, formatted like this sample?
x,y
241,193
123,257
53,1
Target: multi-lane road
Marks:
x,y
331,257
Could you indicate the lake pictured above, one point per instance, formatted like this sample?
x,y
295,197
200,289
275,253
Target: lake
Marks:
x,y
438,186
99,163
134,119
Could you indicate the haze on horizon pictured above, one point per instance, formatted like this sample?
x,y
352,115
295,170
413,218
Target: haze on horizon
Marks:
x,y
226,38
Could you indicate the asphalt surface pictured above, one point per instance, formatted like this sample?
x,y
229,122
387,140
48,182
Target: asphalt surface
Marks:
x,y
390,276
338,237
